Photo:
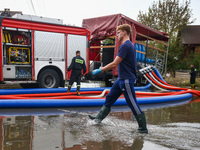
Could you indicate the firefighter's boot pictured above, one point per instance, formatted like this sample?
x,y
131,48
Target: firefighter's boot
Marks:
x,y
141,119
69,88
78,90
101,115
192,86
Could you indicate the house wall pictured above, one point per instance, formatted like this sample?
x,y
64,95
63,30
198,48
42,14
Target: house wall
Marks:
x,y
197,48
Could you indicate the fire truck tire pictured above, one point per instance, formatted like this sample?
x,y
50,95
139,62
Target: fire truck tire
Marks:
x,y
49,78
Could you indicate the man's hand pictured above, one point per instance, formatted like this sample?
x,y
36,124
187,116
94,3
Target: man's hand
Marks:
x,y
96,71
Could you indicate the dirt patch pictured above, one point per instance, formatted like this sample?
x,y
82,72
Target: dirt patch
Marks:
x,y
181,81
10,86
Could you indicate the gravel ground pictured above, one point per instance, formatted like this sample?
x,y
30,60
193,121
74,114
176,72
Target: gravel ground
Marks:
x,y
10,86
83,85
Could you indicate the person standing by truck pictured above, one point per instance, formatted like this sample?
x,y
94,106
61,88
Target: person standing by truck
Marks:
x,y
126,62
193,73
77,65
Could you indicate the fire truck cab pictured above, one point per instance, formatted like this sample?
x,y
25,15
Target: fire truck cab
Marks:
x,y
38,50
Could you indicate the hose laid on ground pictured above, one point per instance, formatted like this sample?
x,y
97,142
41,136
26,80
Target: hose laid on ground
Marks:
x,y
159,79
155,79
103,93
190,90
154,84
150,76
44,103
170,87
70,100
164,86
59,90
72,95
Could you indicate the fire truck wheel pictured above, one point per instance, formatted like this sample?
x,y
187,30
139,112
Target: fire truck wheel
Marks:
x,y
49,78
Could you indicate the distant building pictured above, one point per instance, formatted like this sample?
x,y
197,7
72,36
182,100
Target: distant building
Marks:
x,y
191,39
7,13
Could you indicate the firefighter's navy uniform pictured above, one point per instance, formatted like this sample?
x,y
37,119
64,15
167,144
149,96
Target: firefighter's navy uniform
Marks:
x,y
192,77
77,65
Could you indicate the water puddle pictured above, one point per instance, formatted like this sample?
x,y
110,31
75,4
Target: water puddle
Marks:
x,y
174,126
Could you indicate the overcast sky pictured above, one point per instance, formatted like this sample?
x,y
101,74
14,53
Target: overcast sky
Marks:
x,y
74,11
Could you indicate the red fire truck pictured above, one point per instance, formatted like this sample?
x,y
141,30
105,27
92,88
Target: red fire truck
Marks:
x,y
35,51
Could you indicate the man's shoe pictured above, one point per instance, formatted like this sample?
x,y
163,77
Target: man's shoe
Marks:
x,y
69,88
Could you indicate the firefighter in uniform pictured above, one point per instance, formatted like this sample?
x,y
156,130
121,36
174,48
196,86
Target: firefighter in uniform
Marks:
x,y
126,62
192,76
77,65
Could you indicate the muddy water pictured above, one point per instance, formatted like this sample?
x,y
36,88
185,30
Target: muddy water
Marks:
x,y
171,126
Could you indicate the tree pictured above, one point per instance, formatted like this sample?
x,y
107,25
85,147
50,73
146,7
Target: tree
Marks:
x,y
169,16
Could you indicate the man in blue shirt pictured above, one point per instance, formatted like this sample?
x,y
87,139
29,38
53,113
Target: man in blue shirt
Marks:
x,y
126,62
